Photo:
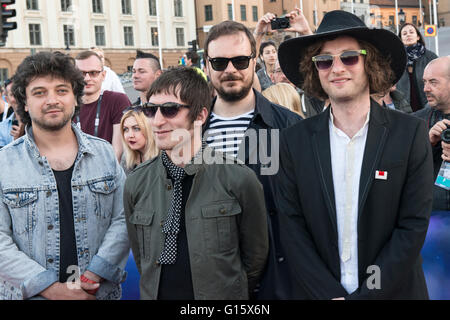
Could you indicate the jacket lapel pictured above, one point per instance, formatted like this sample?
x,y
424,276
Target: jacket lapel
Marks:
x,y
322,155
376,138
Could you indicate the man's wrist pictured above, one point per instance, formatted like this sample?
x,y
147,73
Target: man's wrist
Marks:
x,y
256,34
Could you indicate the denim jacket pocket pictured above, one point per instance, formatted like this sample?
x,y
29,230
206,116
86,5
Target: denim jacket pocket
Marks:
x,y
142,221
220,225
22,206
103,191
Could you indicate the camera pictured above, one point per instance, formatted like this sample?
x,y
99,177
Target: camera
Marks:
x,y
445,135
15,122
280,23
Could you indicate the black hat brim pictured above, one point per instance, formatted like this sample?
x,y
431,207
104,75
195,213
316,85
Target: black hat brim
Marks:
x,y
389,44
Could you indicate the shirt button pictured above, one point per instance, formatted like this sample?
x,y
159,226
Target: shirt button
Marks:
x,y
223,211
50,227
169,187
49,193
50,260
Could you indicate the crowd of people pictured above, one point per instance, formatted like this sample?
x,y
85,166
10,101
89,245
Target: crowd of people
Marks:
x,y
311,178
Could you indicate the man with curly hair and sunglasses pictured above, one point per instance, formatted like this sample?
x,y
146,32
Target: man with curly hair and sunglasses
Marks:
x,y
196,218
355,187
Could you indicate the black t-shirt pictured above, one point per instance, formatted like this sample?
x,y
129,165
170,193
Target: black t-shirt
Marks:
x,y
68,246
176,279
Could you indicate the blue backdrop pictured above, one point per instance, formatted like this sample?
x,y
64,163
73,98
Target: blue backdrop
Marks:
x,y
435,253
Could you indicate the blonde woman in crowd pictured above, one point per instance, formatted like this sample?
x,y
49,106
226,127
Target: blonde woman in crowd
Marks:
x,y
285,95
137,138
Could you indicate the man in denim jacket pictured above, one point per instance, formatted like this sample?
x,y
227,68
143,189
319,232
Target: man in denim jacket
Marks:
x,y
61,212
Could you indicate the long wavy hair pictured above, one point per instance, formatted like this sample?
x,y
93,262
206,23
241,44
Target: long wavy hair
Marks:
x,y
378,68
132,157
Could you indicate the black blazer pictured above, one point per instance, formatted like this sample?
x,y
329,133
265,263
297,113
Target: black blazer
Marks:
x,y
393,214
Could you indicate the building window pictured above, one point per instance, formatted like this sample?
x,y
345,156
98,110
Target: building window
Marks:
x,y
230,11
126,7
180,37
3,75
208,13
128,35
152,5
69,35
97,6
35,34
243,12
391,20
66,5
155,39
414,20
255,13
32,5
178,6
100,36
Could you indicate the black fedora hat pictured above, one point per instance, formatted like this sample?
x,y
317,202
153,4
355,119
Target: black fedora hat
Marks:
x,y
334,24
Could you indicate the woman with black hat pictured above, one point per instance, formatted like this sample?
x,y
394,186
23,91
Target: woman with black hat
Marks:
x,y
411,83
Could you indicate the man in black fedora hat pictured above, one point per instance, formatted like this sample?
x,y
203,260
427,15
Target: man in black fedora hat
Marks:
x,y
355,183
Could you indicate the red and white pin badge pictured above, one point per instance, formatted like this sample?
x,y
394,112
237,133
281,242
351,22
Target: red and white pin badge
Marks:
x,y
381,175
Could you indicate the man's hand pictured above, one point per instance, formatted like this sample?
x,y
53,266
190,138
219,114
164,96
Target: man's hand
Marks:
x,y
92,276
17,131
69,291
445,151
298,22
263,25
436,131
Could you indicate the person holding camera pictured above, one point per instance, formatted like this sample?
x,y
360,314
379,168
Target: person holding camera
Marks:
x,y
436,78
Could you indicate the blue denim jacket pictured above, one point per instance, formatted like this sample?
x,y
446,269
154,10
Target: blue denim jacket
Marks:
x,y
5,131
29,218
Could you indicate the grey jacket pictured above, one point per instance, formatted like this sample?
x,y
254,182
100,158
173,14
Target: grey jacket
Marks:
x,y
226,227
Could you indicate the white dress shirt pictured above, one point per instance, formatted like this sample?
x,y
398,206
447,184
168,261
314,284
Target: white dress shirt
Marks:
x,y
346,161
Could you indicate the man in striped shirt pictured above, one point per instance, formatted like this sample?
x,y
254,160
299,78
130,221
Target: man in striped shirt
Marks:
x,y
244,124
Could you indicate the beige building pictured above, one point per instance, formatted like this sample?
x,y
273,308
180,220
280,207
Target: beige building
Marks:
x,y
120,27
211,12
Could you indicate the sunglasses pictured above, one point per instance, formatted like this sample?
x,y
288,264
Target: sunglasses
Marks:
x,y
240,62
168,109
348,58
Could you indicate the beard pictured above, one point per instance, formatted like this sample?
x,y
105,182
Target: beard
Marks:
x,y
233,96
53,126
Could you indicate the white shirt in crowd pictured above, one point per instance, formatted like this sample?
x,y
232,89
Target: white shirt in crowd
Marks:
x,y
346,162
112,81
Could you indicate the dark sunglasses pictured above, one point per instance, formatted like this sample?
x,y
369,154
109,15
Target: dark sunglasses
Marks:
x,y
168,109
348,58
240,62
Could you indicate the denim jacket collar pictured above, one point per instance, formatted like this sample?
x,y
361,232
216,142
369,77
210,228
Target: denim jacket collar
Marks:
x,y
84,145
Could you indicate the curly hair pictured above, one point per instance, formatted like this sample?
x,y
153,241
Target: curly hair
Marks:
x,y
378,68
55,64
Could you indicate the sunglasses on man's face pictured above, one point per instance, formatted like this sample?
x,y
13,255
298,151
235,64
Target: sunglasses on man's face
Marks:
x,y
240,62
168,109
348,58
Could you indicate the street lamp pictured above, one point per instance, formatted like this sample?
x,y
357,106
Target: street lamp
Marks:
x,y
402,16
